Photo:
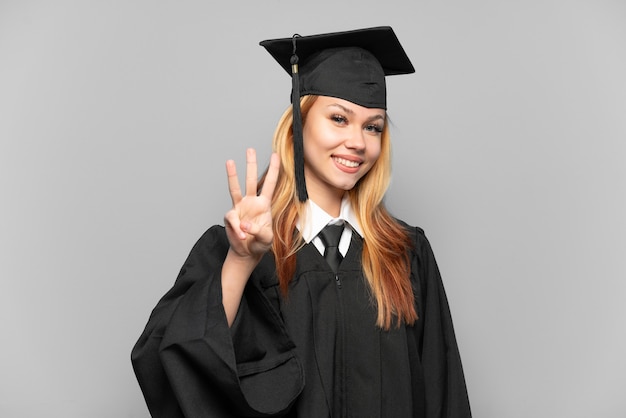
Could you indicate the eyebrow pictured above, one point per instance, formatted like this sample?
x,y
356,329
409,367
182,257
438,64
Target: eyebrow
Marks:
x,y
351,112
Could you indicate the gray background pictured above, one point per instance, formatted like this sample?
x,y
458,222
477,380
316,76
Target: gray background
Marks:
x,y
116,118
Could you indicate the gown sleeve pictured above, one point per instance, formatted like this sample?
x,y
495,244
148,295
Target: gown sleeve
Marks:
x,y
445,392
189,363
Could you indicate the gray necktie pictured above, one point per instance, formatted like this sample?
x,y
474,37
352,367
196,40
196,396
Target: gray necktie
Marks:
x,y
330,236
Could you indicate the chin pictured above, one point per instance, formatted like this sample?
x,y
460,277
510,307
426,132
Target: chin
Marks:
x,y
347,187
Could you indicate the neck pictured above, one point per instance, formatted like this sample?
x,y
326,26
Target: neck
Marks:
x,y
330,203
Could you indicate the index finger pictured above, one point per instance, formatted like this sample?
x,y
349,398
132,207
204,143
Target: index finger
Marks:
x,y
271,177
251,172
233,182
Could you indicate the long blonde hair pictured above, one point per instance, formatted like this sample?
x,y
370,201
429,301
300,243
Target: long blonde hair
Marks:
x,y
385,242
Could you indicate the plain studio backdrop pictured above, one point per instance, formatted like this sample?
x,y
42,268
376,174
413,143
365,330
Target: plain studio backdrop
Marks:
x,y
116,118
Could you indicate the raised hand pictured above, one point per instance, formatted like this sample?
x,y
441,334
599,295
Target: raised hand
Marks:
x,y
249,222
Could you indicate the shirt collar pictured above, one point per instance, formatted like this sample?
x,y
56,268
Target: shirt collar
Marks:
x,y
316,219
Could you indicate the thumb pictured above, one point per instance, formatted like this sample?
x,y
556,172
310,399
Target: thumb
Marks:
x,y
232,221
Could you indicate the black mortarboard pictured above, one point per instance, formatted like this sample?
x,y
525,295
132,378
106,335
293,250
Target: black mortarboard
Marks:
x,y
350,65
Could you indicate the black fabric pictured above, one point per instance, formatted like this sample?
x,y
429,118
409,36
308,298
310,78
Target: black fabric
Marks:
x,y
351,74
351,65
381,41
330,236
314,354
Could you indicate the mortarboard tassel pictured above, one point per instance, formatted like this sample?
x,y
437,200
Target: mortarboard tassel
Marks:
x,y
298,141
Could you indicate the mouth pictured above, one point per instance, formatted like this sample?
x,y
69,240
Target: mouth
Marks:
x,y
347,163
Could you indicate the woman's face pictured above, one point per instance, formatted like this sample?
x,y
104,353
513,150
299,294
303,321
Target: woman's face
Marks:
x,y
342,141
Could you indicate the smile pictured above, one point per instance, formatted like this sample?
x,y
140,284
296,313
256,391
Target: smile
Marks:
x,y
347,163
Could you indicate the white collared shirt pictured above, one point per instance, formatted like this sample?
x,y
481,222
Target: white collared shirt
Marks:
x,y
316,219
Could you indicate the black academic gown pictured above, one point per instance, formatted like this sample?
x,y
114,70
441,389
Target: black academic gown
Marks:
x,y
316,353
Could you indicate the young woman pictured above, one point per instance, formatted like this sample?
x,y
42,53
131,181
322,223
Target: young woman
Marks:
x,y
270,315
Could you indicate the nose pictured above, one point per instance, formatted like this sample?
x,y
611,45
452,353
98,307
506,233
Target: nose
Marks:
x,y
355,140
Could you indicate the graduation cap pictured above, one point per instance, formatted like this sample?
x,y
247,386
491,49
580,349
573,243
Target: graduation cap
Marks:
x,y
349,65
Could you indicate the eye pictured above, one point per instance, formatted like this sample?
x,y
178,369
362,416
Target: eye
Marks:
x,y
374,128
338,119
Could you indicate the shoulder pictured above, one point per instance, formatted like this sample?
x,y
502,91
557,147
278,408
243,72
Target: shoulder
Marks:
x,y
213,234
210,249
421,250
416,234
214,237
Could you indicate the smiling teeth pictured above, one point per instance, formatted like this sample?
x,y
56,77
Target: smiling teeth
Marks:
x,y
347,163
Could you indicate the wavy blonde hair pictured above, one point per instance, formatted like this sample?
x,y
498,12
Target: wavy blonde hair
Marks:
x,y
385,242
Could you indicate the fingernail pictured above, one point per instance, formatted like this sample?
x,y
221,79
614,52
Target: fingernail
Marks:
x,y
244,228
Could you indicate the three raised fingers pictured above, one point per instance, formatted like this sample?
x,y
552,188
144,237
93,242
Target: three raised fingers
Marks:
x,y
251,177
